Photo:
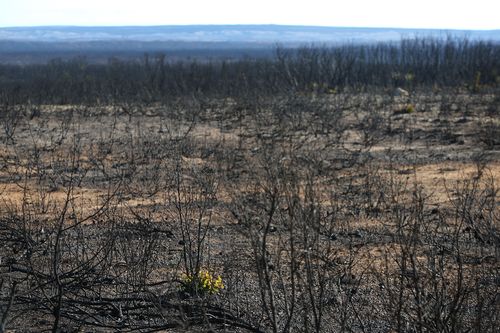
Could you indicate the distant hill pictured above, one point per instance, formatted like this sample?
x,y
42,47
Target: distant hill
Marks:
x,y
228,33
39,44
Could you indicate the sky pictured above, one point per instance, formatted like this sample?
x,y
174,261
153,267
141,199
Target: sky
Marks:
x,y
434,14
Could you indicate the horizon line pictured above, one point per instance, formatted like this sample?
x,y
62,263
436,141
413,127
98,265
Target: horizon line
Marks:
x,y
240,25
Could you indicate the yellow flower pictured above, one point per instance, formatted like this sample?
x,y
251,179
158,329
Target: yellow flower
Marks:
x,y
203,282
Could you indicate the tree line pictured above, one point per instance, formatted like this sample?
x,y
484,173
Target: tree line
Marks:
x,y
409,63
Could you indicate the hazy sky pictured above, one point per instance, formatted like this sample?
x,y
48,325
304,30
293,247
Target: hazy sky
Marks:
x,y
441,14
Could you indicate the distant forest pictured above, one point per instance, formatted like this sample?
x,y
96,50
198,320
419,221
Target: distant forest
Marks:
x,y
419,63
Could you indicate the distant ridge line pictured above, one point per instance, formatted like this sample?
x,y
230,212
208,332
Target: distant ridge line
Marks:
x,y
244,33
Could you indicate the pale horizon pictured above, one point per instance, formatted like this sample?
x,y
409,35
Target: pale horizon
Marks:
x,y
236,25
426,14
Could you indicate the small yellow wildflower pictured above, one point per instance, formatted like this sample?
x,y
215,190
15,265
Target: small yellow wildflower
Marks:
x,y
203,282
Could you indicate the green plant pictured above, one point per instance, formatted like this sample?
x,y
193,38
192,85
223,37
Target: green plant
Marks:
x,y
202,283
409,108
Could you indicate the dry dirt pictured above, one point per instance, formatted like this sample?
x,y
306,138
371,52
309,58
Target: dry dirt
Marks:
x,y
358,156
